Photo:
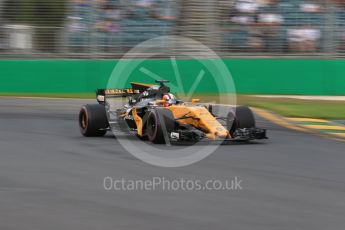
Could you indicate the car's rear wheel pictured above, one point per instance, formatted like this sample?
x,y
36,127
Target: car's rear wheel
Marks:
x,y
93,120
239,118
157,121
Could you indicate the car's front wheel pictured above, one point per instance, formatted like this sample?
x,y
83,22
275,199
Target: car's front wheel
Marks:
x,y
157,121
239,118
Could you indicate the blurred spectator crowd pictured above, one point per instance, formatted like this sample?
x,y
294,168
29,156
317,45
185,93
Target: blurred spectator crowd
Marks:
x,y
115,25
296,26
237,26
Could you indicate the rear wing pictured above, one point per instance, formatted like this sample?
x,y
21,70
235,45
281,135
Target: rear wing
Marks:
x,y
136,89
101,94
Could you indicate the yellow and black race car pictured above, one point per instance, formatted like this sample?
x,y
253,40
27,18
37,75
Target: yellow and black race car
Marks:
x,y
152,112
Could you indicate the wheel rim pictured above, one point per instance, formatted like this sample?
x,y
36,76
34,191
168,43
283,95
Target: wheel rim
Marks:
x,y
151,126
83,120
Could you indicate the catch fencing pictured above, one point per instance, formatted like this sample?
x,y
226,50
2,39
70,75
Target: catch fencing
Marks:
x,y
233,28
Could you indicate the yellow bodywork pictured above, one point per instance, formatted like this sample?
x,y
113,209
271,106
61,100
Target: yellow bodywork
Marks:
x,y
201,118
138,121
196,116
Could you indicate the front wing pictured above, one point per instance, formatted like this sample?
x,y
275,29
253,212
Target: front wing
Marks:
x,y
244,134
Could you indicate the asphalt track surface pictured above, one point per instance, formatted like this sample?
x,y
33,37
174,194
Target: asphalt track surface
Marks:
x,y
52,178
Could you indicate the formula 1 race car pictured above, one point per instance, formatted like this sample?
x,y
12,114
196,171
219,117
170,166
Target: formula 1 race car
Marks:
x,y
152,112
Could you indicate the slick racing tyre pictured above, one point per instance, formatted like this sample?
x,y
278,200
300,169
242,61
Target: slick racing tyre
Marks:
x,y
158,120
241,117
93,120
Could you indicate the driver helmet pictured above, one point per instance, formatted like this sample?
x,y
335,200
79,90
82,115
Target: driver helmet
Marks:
x,y
169,99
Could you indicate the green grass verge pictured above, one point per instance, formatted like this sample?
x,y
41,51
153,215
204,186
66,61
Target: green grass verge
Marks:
x,y
285,107
299,108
